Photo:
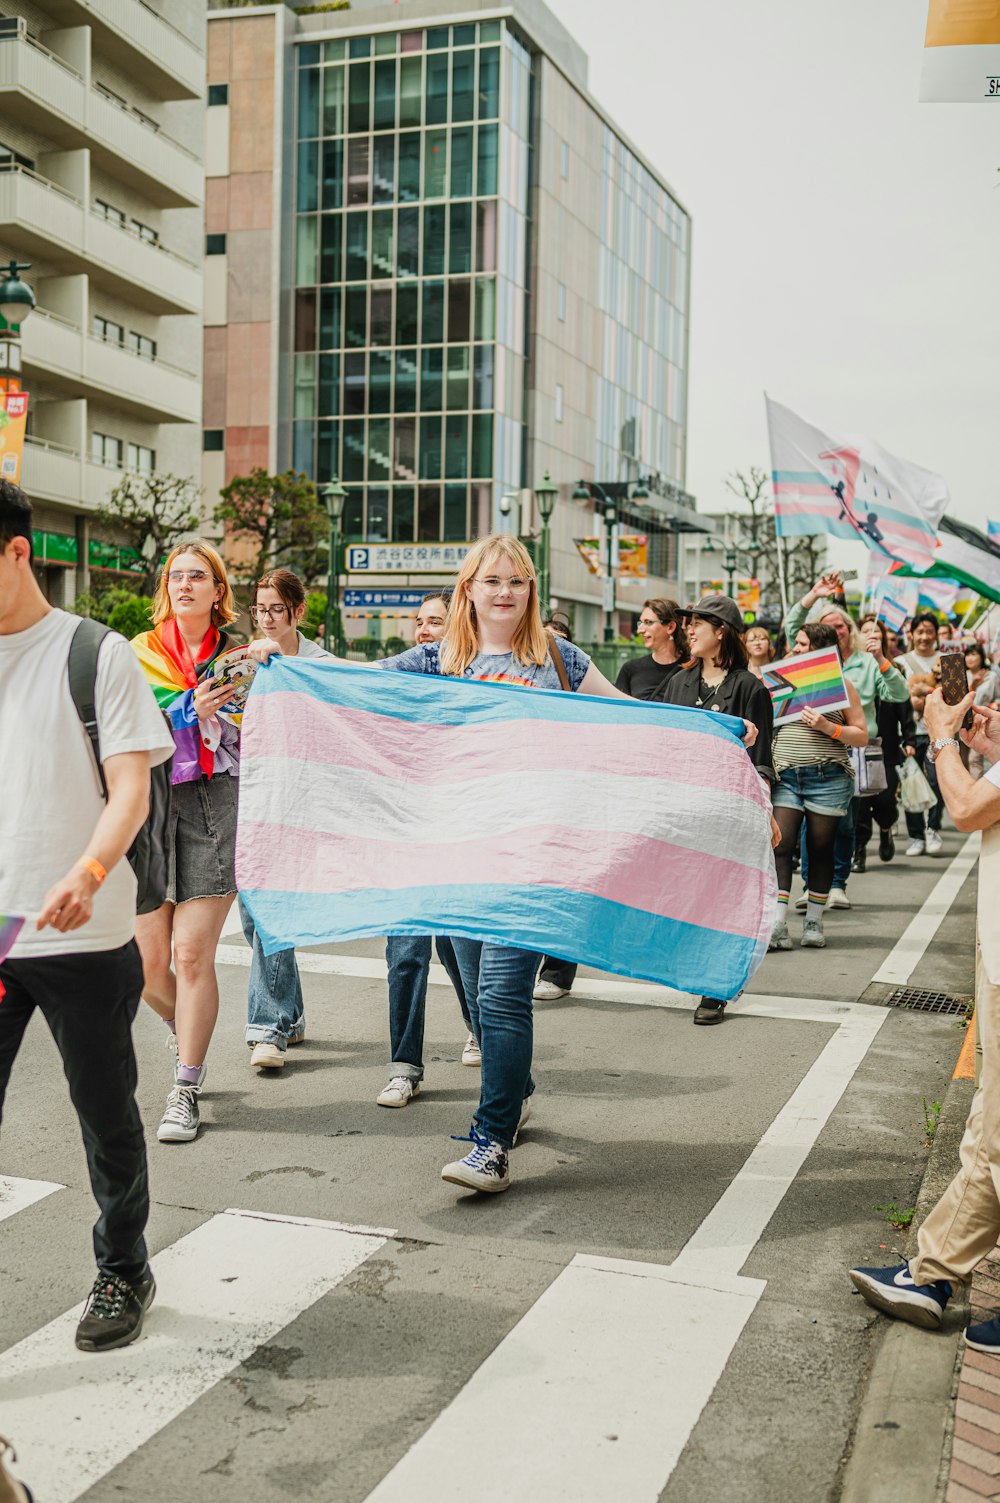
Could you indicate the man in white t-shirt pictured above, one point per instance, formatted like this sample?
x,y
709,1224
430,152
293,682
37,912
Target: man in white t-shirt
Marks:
x,y
62,870
965,1224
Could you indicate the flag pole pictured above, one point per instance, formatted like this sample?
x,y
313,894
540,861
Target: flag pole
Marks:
x,y
782,580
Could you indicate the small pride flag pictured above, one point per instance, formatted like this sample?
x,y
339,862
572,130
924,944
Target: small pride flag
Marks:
x,y
809,679
10,928
892,612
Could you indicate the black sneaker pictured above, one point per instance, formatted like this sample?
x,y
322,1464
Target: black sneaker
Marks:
x,y
860,862
114,1312
886,845
709,1010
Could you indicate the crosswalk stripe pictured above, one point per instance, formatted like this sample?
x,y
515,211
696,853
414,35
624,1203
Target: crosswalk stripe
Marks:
x,y
224,1290
17,1194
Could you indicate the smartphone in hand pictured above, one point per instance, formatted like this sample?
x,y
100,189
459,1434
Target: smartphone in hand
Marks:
x,y
955,681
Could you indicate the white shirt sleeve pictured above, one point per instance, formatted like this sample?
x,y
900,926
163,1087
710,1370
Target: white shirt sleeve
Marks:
x,y
128,718
992,774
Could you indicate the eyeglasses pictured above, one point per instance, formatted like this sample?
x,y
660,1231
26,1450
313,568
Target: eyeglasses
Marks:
x,y
277,612
650,621
495,584
193,576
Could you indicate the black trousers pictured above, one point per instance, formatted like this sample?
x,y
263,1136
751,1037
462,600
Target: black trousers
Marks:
x,y
880,809
89,1003
559,972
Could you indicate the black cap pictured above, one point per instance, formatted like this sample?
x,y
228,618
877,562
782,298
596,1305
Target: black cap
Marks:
x,y
718,608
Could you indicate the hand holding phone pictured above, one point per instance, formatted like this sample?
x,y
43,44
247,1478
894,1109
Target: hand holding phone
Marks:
x,y
955,682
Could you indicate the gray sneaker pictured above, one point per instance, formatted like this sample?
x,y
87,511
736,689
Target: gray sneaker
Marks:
x,y
181,1119
780,937
812,936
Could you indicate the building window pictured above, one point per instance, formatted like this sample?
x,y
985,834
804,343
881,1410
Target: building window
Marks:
x,y
141,459
109,212
215,245
107,330
144,231
559,404
142,345
218,93
564,159
106,450
10,160
213,440
561,302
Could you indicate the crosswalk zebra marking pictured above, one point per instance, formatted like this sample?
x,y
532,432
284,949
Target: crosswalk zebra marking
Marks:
x,y
223,1291
18,1194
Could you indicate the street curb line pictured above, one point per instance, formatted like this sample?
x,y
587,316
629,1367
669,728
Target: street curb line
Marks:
x,y
901,1447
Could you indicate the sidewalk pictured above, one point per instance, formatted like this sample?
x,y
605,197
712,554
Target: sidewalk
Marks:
x,y
975,1457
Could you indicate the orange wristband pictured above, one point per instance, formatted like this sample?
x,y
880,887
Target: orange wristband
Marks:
x,y
94,867
835,733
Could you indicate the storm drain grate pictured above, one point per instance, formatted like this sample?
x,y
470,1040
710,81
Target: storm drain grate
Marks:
x,y
916,1000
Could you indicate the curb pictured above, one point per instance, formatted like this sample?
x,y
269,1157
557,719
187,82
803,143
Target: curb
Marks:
x,y
901,1446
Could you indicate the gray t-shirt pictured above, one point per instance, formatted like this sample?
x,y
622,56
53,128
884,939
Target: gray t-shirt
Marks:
x,y
309,649
501,667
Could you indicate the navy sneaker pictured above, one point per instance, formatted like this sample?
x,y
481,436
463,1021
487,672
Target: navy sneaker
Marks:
x,y
985,1337
893,1290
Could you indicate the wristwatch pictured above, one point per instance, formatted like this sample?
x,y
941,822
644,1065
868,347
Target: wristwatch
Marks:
x,y
939,745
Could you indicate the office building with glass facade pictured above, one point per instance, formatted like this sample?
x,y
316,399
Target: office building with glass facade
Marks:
x,y
466,277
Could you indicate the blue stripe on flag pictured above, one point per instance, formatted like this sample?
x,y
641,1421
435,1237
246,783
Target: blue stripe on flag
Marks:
x,y
885,513
568,925
804,524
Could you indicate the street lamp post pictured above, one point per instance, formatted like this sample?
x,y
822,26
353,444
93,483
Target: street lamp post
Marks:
x,y
546,494
506,505
16,302
334,496
731,561
610,518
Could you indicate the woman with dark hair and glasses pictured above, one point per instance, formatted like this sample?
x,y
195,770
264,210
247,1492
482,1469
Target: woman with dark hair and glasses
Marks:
x,y
662,630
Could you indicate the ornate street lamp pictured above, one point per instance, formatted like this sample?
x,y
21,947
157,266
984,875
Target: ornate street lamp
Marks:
x,y
334,496
16,302
546,494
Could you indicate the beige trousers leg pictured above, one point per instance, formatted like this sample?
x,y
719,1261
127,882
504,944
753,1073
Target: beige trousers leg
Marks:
x,y
965,1224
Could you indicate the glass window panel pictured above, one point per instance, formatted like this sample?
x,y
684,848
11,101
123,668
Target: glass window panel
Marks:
x,y
331,255
486,300
355,383
384,172
463,85
459,298
385,96
437,37
486,182
379,381
328,397
327,450
436,164
461,163
381,314
377,524
431,380
432,331
411,41
378,449
406,381
403,519
456,512
437,89
408,243
482,380
305,249
411,90
359,183
333,174
463,36
359,97
460,238
308,102
407,303
359,47
489,31
302,448
383,256
333,52
486,236
482,445
307,176
305,319
357,247
489,83
429,514
409,167
457,395
309,54
330,303
353,462
434,226
305,386
404,449
456,447
351,522
356,317
333,102
386,43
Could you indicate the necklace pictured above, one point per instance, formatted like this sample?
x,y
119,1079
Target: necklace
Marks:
x,y
706,692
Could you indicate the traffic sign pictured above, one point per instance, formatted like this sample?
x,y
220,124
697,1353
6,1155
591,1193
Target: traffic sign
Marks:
x,y
406,558
382,599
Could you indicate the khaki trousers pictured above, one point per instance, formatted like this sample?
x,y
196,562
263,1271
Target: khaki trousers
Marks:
x,y
965,1224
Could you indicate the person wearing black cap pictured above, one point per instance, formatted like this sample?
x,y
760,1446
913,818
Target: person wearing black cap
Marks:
x,y
717,678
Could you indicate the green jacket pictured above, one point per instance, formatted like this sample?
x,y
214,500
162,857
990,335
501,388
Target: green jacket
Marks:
x,y
862,671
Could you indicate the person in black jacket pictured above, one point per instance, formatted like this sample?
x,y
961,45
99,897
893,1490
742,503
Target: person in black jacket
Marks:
x,y
717,678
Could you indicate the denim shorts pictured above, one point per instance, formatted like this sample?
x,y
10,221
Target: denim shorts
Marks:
x,y
820,788
202,850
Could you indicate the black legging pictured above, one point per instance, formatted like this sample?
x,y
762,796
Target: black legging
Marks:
x,y
821,831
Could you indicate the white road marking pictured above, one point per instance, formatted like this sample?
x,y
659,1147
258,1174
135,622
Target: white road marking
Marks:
x,y
908,951
17,1194
223,1291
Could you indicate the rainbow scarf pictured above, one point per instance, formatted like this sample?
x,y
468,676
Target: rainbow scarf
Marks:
x,y
172,676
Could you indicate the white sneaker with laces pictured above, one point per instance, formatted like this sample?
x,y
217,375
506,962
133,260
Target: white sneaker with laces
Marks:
x,y
399,1092
547,991
915,848
471,1052
485,1167
838,898
267,1057
812,936
934,843
181,1119
801,904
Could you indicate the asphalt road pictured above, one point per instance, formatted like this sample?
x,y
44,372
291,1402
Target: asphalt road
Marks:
x,y
657,1309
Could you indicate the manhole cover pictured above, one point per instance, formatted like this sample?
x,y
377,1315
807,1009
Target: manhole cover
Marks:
x,y
916,1000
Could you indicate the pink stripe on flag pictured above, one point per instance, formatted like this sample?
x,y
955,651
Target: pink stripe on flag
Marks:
x,y
635,871
822,506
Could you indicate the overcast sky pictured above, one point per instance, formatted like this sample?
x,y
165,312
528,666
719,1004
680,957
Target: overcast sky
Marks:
x,y
846,251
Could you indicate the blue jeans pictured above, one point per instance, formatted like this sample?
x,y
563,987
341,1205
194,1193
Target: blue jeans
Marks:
x,y
275,1010
499,980
843,848
408,957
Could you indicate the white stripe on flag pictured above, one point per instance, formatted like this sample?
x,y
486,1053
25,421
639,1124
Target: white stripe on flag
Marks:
x,y
17,1194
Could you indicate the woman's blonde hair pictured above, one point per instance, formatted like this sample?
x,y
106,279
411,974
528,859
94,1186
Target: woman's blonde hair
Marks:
x,y
223,611
461,639
823,609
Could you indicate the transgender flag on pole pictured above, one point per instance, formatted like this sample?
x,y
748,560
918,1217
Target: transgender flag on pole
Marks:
x,y
630,837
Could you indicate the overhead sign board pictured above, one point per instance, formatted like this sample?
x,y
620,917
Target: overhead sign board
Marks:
x,y
962,52
383,599
406,558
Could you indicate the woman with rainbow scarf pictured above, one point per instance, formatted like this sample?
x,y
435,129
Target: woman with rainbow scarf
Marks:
x,y
192,605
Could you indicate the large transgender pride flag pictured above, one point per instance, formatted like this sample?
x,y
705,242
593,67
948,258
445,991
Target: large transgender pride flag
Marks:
x,y
628,836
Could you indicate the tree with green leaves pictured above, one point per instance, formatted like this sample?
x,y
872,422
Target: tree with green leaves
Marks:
x,y
279,520
151,513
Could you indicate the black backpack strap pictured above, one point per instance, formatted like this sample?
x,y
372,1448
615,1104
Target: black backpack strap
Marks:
x,y
82,669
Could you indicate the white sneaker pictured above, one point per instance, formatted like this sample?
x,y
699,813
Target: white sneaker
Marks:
x,y
838,898
934,843
398,1092
812,936
547,991
915,848
801,904
181,1119
522,1119
485,1167
471,1052
267,1057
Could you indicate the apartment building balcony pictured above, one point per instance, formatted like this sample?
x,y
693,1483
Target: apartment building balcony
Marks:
x,y
63,476
138,39
49,96
40,219
76,364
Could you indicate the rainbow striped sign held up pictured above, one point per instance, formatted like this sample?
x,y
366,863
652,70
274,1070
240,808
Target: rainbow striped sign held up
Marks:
x,y
809,679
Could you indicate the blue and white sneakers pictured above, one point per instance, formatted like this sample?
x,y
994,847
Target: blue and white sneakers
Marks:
x,y
893,1290
984,1337
485,1167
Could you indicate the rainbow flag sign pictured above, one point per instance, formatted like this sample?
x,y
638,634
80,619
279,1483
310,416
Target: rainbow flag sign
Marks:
x,y
807,680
